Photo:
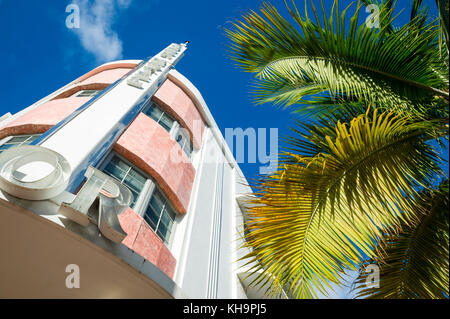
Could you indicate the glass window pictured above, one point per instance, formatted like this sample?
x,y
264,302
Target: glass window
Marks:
x,y
153,205
160,215
160,116
86,93
17,140
127,175
184,142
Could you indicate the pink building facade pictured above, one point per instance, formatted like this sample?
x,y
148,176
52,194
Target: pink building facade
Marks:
x,y
181,229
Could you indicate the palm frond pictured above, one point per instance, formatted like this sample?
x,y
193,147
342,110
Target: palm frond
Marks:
x,y
415,9
395,69
443,7
339,189
387,12
324,105
414,264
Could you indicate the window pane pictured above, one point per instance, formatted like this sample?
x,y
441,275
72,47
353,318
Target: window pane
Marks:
x,y
32,138
152,217
166,122
160,213
156,113
150,222
184,142
164,235
126,175
167,217
158,197
135,191
163,231
134,182
86,93
153,111
18,140
137,177
117,161
135,197
115,171
157,204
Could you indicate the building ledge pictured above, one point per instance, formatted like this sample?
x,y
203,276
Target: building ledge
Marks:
x,y
38,245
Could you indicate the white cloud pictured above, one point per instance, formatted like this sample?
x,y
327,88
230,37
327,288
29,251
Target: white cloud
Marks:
x,y
95,33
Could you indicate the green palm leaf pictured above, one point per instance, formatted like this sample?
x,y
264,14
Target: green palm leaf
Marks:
x,y
415,263
443,6
395,69
323,106
340,188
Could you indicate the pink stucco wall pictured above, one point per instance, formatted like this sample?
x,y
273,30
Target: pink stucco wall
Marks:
x,y
75,89
99,78
50,113
179,104
143,240
107,76
151,148
109,66
43,117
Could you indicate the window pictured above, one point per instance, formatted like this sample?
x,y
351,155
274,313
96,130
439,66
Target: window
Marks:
x,y
160,215
148,200
161,117
86,93
12,141
184,141
126,175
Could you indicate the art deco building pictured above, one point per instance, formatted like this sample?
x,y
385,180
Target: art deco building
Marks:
x,y
120,185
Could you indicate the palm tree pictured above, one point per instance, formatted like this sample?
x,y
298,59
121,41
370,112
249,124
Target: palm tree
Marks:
x,y
350,181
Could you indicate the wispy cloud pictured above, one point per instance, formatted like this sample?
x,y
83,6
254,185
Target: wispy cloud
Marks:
x,y
95,32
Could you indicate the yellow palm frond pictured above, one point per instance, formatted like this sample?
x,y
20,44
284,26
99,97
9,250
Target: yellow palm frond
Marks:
x,y
339,189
